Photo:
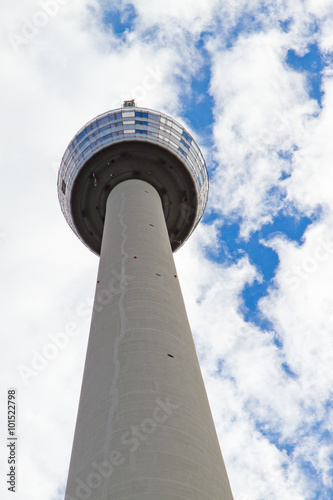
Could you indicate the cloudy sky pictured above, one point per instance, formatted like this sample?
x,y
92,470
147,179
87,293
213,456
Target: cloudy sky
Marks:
x,y
253,82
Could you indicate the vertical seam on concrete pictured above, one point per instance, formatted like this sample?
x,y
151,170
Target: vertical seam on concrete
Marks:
x,y
113,389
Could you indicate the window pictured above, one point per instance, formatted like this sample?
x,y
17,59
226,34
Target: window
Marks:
x,y
106,127
183,142
107,136
102,120
182,151
187,137
115,116
153,125
84,141
151,116
141,114
82,134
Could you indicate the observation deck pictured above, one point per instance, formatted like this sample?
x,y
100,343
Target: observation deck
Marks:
x,y
132,143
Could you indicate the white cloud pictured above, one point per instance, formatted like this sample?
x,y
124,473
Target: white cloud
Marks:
x,y
320,8
300,307
326,41
261,106
310,183
193,16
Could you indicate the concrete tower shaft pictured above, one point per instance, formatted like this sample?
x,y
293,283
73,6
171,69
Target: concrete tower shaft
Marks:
x,y
144,429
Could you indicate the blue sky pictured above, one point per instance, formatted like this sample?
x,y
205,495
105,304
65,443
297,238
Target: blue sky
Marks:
x,y
252,81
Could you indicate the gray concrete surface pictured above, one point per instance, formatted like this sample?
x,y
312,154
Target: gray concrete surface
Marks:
x,y
144,428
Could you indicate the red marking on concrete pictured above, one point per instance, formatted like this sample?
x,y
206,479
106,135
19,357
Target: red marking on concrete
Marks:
x,y
97,281
175,275
135,257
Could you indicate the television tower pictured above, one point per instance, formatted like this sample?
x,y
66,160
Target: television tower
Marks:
x,y
133,185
